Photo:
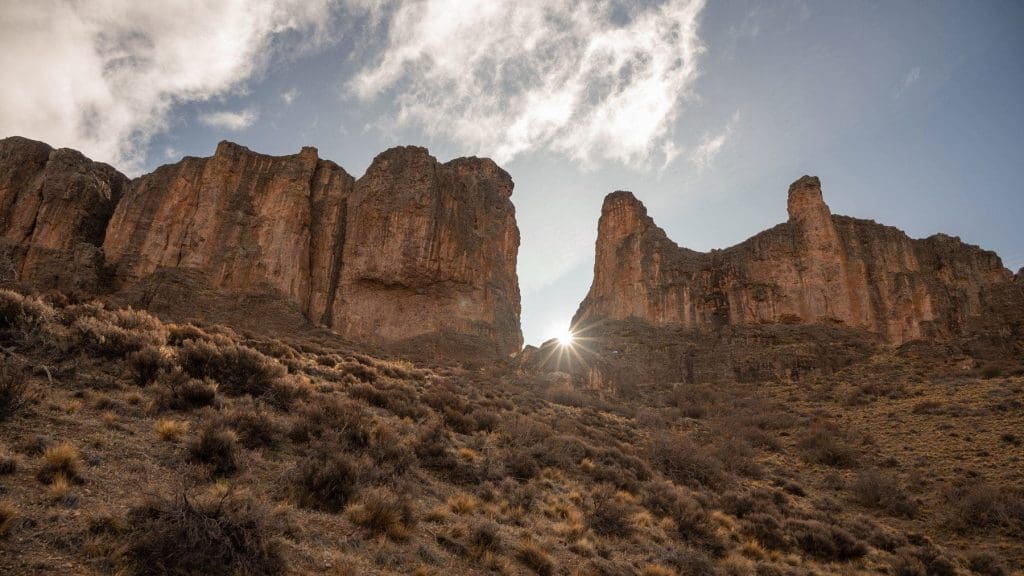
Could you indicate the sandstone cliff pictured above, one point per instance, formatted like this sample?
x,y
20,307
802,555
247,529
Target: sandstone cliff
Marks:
x,y
415,253
54,207
815,268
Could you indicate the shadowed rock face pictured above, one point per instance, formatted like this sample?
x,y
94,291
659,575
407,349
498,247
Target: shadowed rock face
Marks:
x,y
414,252
54,207
815,268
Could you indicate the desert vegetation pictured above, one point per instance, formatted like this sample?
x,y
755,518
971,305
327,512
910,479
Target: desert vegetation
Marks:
x,y
136,446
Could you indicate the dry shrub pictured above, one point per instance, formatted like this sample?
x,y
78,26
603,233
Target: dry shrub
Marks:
x,y
825,444
324,481
118,333
256,427
215,446
170,430
533,556
62,459
384,513
177,391
392,395
238,369
683,461
14,388
667,500
484,538
8,463
978,507
224,535
22,317
8,513
332,416
825,541
148,362
610,515
875,489
986,563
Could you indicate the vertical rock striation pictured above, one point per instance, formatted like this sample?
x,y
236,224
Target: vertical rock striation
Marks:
x,y
815,268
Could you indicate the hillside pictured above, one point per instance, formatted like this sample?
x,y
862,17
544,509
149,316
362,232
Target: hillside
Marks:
x,y
135,446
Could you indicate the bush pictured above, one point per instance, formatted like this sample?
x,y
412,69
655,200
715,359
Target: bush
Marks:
x,y
825,541
824,444
683,462
7,516
215,446
170,430
118,333
147,363
986,563
216,536
238,369
383,513
535,558
881,491
180,392
324,481
60,460
13,389
22,316
610,515
255,427
979,506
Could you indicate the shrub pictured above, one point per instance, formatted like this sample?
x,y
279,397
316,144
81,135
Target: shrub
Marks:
x,y
13,389
7,516
610,515
215,446
668,500
147,363
825,541
22,316
983,563
8,463
324,481
170,430
981,506
180,392
683,462
530,553
877,490
238,369
383,513
119,333
484,537
824,444
255,427
62,459
217,536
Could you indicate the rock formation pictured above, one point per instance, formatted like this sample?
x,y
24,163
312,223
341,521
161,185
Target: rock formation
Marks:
x,y
54,207
414,253
815,268
811,295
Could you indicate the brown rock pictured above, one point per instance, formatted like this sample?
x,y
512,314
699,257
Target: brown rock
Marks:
x,y
815,268
430,249
413,253
54,206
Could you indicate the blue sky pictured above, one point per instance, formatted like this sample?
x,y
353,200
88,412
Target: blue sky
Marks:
x,y
910,112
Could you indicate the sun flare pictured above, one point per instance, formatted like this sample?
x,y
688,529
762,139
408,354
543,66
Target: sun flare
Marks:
x,y
566,338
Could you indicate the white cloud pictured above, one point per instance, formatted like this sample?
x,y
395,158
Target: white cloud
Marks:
x,y
102,75
229,120
711,145
911,78
590,79
289,96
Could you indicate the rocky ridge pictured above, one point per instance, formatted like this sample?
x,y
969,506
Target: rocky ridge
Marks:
x,y
415,253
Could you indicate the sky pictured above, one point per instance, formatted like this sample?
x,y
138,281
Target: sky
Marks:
x,y
910,112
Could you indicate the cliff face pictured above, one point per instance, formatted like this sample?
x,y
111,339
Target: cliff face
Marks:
x,y
54,207
415,251
815,268
430,248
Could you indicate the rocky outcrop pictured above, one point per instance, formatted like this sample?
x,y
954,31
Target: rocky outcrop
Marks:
x,y
430,249
815,268
415,255
54,207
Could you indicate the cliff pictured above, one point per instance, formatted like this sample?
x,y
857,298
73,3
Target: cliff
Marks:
x,y
414,254
815,268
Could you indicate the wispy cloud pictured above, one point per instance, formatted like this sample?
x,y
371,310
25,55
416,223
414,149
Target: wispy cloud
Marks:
x,y
230,120
103,75
590,79
711,145
911,78
289,96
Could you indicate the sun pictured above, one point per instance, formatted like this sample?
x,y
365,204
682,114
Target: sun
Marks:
x,y
565,338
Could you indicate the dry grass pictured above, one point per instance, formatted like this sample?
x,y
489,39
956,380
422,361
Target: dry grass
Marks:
x,y
170,430
8,514
61,460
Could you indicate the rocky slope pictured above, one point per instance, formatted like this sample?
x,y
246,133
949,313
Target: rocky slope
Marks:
x,y
415,253
794,299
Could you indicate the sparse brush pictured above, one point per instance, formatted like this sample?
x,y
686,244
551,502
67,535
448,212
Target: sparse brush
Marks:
x,y
324,481
825,444
62,459
8,513
215,445
148,362
14,388
170,430
878,490
110,419
384,513
221,535
534,557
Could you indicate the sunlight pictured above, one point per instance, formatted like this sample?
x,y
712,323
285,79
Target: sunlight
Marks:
x,y
565,338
